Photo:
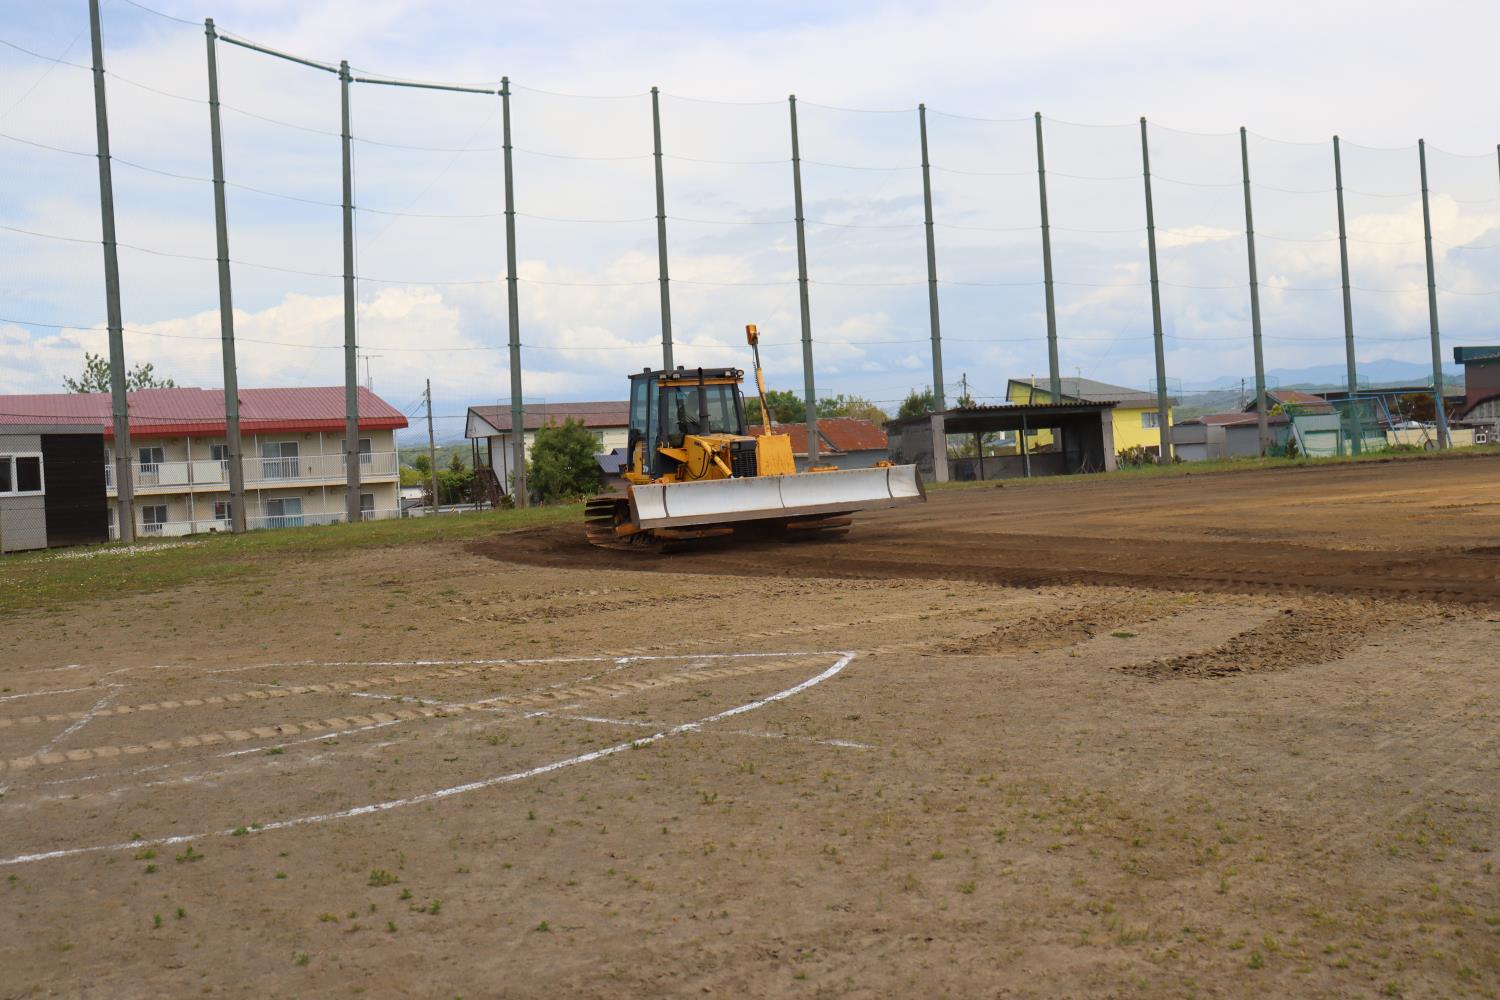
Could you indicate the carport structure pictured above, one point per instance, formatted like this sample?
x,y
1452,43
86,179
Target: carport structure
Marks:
x,y
1082,433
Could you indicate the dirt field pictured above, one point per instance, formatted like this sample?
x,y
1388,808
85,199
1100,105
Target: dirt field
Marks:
x,y
1221,735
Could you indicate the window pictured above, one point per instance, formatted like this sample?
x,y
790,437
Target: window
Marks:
x,y
682,411
366,505
364,450
153,517
222,510
219,452
1151,419
21,474
278,460
284,512
148,472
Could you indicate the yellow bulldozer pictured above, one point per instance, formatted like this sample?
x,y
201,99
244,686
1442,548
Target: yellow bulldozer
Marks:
x,y
692,471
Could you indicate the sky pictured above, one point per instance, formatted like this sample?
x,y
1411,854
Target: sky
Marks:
x,y
429,189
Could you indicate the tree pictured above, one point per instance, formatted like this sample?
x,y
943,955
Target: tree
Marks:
x,y
917,403
854,407
97,374
786,407
562,465
456,482
422,464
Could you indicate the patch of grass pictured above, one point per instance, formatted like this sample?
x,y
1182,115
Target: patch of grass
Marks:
x,y
543,927
381,877
272,752
51,581
1122,635
189,855
304,958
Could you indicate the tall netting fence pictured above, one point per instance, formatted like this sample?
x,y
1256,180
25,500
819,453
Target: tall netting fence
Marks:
x,y
611,277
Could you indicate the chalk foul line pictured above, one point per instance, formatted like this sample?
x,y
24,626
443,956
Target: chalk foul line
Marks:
x,y
845,658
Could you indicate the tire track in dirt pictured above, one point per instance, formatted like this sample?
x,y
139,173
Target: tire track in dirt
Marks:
x,y
1312,632
1070,623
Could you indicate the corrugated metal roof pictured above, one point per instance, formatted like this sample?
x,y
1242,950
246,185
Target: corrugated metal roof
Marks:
x,y
608,413
1476,355
182,411
1092,391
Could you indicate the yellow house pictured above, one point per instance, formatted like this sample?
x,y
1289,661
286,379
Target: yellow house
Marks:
x,y
1136,419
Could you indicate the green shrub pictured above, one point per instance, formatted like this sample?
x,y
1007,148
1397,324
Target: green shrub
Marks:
x,y
562,465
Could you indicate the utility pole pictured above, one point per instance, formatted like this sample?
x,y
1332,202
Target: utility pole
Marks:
x,y
1163,410
809,390
1262,421
661,236
938,402
432,449
1356,439
1041,176
513,314
232,443
1432,308
351,342
119,403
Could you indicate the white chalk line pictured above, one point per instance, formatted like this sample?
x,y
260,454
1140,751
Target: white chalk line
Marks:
x,y
843,661
764,734
71,729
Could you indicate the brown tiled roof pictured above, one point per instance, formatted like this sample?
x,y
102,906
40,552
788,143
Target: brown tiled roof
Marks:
x,y
835,434
535,415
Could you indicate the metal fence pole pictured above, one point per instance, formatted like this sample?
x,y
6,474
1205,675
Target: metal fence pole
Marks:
x,y
351,343
1357,440
938,400
1262,419
1053,375
232,444
1432,308
661,235
513,313
1163,409
119,403
809,391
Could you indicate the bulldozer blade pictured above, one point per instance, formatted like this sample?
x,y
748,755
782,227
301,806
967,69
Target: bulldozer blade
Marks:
x,y
660,505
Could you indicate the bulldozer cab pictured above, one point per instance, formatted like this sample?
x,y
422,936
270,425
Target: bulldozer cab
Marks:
x,y
666,407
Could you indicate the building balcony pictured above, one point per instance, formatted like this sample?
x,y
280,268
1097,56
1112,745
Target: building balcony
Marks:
x,y
179,529
181,476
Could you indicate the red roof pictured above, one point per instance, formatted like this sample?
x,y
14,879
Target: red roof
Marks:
x,y
536,415
836,434
178,412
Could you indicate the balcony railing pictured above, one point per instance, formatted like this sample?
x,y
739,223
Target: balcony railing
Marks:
x,y
215,474
178,529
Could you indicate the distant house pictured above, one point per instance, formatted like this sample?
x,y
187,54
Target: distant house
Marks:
x,y
1226,435
843,442
293,454
1135,414
1481,406
490,428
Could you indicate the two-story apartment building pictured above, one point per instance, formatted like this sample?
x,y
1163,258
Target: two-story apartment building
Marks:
x,y
292,443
